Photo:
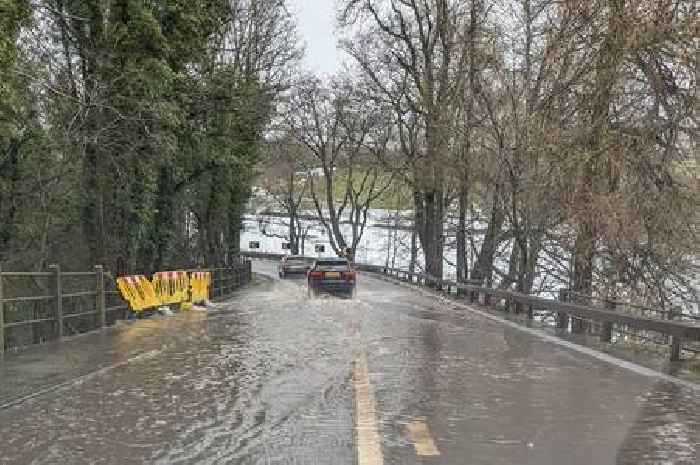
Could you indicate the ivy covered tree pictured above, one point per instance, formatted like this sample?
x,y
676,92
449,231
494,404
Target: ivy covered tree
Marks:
x,y
138,123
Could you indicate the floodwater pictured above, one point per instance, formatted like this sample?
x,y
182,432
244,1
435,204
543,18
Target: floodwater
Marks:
x,y
392,377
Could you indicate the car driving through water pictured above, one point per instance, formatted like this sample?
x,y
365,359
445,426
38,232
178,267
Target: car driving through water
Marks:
x,y
294,264
332,275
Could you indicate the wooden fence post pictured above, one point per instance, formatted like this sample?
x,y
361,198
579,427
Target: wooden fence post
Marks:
x,y
100,296
58,297
2,317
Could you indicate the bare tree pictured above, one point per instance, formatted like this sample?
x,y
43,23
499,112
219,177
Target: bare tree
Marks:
x,y
412,52
345,178
285,179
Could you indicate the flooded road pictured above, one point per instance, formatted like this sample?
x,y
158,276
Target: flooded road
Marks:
x,y
392,377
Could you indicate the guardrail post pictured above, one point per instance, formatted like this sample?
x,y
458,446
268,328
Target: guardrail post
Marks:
x,y
581,325
675,348
562,317
676,342
2,317
606,329
58,297
101,307
518,307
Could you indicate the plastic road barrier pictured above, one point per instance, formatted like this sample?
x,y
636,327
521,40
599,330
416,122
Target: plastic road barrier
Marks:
x,y
200,282
138,291
171,287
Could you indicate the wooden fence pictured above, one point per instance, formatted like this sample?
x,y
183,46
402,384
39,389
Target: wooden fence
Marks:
x,y
36,307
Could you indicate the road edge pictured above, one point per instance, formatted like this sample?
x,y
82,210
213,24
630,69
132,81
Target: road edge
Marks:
x,y
610,359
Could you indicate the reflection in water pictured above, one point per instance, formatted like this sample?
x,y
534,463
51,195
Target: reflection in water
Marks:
x,y
517,346
270,381
665,431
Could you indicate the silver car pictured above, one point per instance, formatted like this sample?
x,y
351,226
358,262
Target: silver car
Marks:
x,y
293,264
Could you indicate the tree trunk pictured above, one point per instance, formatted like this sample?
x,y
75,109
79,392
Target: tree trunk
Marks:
x,y
414,250
462,236
430,218
92,215
164,223
533,254
584,249
293,232
483,268
513,266
11,175
606,75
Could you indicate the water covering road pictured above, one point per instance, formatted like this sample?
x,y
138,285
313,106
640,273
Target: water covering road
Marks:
x,y
392,377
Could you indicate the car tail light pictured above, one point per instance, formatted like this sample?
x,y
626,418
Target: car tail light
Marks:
x,y
349,276
316,274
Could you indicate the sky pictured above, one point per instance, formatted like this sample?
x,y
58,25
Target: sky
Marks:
x,y
316,19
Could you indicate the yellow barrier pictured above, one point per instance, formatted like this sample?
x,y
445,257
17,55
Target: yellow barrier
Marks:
x,y
171,287
200,281
168,287
138,291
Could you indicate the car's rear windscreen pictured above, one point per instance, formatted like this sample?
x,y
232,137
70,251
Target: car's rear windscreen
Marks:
x,y
332,266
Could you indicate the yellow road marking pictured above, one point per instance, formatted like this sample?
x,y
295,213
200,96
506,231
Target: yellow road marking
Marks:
x,y
422,440
369,451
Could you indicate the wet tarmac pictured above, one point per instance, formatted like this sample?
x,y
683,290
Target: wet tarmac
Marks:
x,y
392,377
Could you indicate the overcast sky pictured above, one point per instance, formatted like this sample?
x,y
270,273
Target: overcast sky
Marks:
x,y
316,26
